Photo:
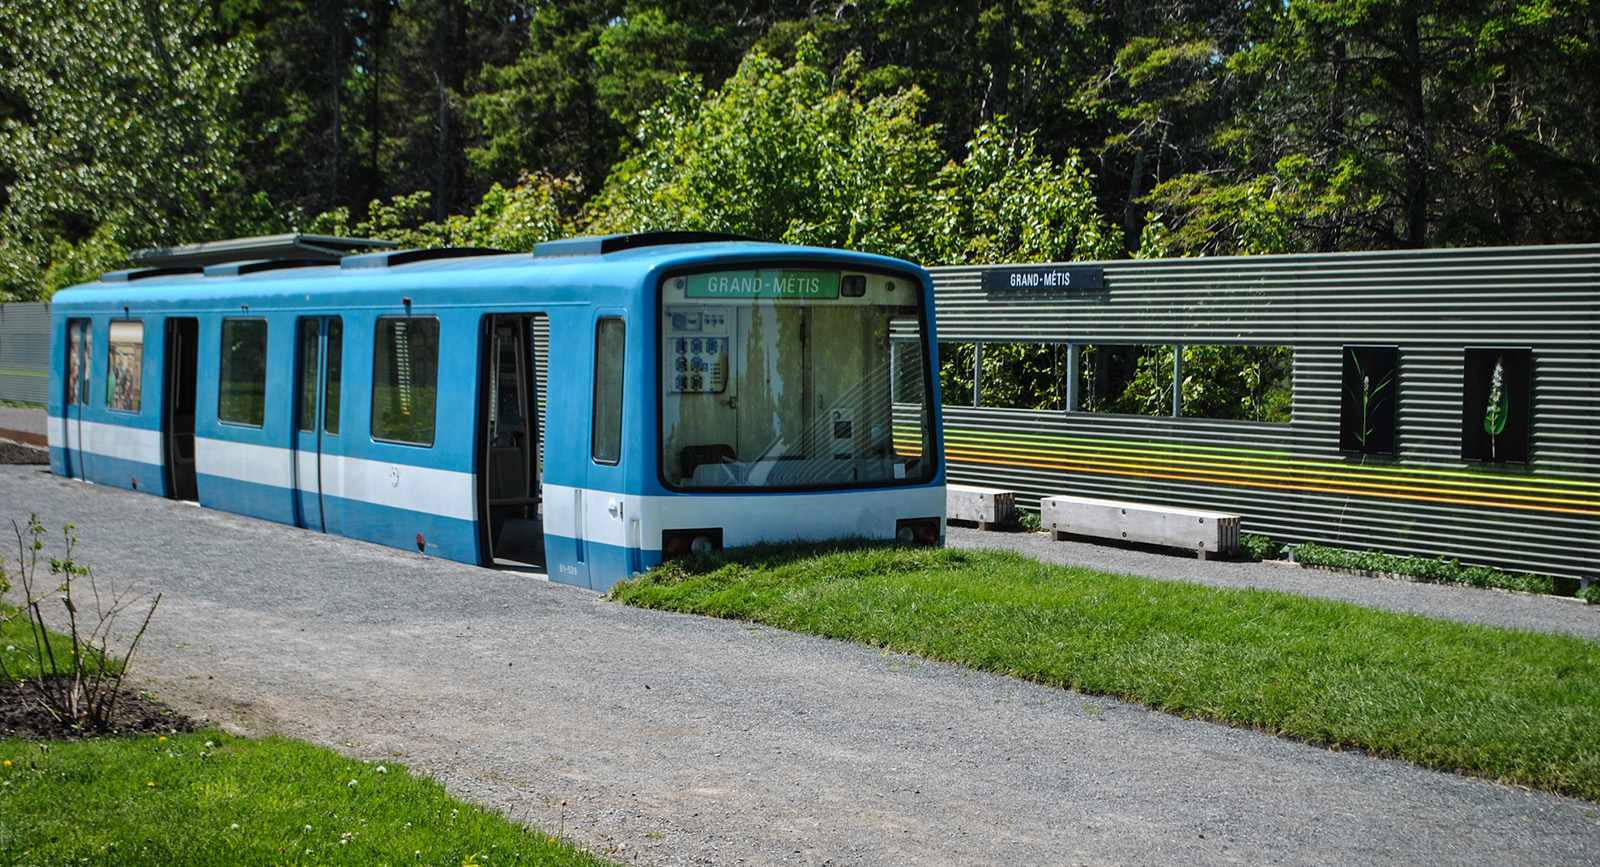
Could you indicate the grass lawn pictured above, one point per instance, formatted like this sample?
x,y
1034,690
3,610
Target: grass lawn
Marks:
x,y
1512,706
210,799
19,654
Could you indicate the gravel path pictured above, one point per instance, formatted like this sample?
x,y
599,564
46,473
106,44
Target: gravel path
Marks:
x,y
683,740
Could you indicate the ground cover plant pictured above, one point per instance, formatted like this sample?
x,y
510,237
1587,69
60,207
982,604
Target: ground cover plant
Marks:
x,y
1514,706
1443,570
209,799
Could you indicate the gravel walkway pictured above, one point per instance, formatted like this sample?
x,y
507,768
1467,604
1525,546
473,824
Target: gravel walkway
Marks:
x,y
683,740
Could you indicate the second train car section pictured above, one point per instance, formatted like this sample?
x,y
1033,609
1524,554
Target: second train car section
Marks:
x,y
592,408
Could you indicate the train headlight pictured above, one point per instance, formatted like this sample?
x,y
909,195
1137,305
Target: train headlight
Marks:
x,y
917,531
682,543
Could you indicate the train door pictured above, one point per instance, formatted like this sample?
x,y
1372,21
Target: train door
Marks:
x,y
510,452
79,350
610,534
177,408
317,467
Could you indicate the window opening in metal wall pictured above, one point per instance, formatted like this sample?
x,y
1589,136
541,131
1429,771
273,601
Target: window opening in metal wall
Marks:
x,y
1237,383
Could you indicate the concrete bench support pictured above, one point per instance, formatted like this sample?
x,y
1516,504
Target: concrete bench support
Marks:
x,y
1209,534
984,505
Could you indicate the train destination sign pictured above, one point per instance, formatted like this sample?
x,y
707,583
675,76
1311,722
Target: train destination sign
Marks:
x,y
763,284
1044,277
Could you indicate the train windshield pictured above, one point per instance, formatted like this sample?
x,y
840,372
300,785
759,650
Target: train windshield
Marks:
x,y
794,379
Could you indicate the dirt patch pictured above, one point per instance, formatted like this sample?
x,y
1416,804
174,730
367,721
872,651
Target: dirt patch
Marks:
x,y
23,716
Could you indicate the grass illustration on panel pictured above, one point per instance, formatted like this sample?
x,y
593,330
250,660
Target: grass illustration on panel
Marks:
x,y
1368,399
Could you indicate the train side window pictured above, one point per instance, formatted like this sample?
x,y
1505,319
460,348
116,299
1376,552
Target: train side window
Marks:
x,y
242,399
606,446
310,366
125,365
405,376
335,373
79,343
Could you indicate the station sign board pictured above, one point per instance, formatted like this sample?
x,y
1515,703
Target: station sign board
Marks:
x,y
1043,277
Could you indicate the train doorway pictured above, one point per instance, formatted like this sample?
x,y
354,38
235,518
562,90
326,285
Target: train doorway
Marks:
x,y
511,449
177,407
79,351
318,469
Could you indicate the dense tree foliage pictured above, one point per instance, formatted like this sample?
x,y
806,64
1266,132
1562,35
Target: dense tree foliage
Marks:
x,y
116,119
946,130
788,154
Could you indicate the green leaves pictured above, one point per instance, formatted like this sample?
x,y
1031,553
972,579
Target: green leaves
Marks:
x,y
786,154
122,118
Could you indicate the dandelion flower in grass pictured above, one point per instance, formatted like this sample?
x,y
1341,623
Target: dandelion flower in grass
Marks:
x,y
7,763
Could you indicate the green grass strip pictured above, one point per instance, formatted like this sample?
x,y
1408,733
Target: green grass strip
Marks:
x,y
21,655
208,799
1518,707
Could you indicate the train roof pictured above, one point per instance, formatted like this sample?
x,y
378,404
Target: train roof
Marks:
x,y
193,273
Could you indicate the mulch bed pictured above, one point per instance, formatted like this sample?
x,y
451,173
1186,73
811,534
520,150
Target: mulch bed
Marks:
x,y
22,716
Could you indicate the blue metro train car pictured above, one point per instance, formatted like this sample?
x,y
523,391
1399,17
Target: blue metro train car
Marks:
x,y
593,407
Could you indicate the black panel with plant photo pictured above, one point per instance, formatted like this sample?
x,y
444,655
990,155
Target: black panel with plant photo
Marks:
x,y
1495,404
1367,399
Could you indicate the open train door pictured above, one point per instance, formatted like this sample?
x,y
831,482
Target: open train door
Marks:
x,y
511,446
177,407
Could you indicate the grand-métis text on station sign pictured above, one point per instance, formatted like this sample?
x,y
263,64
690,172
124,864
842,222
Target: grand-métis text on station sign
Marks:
x,y
1042,278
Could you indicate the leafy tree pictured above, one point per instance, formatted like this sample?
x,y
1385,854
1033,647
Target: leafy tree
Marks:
x,y
355,100
536,209
1006,203
778,153
786,153
567,103
1404,123
115,114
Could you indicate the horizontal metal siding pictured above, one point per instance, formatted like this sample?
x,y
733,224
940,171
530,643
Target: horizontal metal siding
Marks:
x,y
25,352
1290,481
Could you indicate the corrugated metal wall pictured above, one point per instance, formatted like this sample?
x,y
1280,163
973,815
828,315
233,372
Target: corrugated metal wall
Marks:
x,y
1290,481
25,352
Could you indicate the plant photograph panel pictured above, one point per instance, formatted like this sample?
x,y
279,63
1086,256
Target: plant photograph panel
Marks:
x,y
1496,403
1367,399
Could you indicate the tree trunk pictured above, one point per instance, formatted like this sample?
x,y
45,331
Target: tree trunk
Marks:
x,y
1416,136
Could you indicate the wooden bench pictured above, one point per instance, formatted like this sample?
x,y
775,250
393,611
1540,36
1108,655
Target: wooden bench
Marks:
x,y
984,505
1209,534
